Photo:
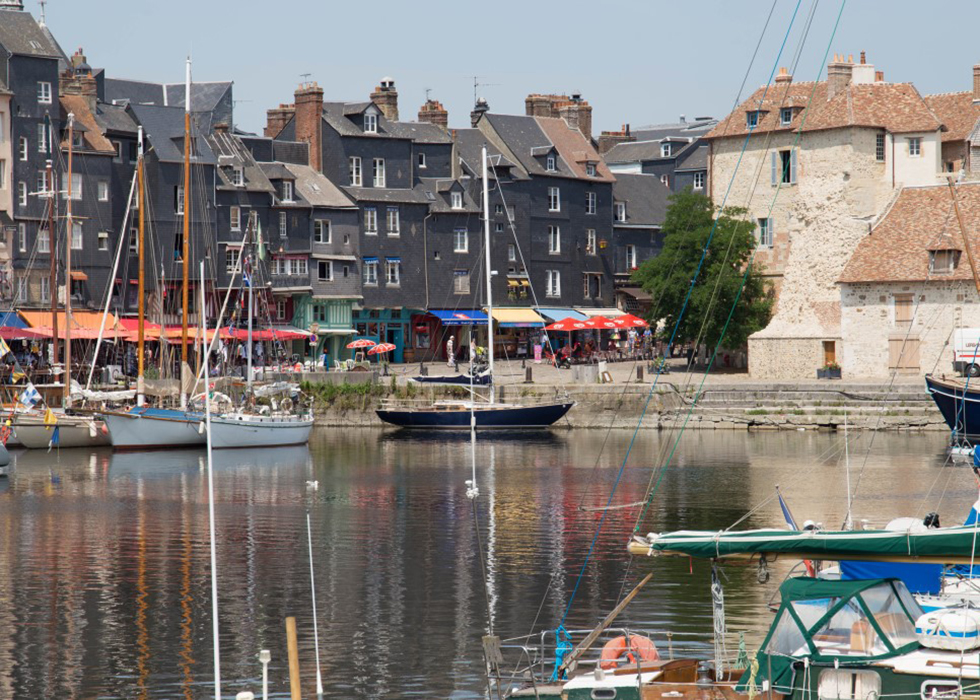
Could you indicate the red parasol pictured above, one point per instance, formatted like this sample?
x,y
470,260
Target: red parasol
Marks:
x,y
381,348
567,324
600,322
361,343
630,321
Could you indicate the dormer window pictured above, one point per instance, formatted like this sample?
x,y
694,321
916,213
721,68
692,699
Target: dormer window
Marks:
x,y
942,262
77,139
786,116
237,177
552,165
590,169
287,190
370,123
665,150
456,200
621,211
751,120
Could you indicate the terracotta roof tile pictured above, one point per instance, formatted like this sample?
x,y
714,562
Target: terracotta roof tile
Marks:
x,y
574,148
922,219
957,111
93,135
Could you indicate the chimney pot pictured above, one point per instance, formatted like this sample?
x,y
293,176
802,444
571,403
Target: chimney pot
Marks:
x,y
879,76
976,83
863,61
385,97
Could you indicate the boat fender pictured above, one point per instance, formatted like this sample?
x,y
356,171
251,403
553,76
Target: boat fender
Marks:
x,y
952,629
615,648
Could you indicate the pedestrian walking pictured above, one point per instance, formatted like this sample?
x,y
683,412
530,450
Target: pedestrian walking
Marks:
x,y
451,353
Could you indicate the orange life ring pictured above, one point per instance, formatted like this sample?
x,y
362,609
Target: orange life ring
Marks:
x,y
638,644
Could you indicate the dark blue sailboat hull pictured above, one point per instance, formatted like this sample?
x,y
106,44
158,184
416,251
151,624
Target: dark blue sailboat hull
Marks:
x,y
455,380
959,404
539,416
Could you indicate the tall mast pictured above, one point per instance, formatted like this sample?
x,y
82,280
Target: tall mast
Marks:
x,y
52,247
68,239
248,349
185,253
489,275
141,309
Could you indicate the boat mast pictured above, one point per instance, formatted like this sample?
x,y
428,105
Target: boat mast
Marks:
x,y
141,309
185,252
489,275
52,247
248,348
69,239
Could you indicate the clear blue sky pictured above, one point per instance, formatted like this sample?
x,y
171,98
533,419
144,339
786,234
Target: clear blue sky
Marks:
x,y
637,62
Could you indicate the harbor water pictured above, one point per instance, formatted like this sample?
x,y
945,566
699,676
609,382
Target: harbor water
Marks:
x,y
105,588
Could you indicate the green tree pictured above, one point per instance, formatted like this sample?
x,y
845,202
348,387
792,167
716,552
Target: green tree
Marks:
x,y
667,277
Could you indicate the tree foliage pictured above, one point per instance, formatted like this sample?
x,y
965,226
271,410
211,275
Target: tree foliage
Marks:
x,y
667,277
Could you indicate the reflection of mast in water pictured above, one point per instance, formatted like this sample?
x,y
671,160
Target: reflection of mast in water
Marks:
x,y
142,636
186,619
492,538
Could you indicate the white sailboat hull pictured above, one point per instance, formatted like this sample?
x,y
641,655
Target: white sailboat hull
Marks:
x,y
73,431
135,431
235,430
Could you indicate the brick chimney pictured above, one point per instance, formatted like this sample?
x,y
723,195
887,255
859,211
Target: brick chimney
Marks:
x,y
976,83
309,121
432,112
78,80
608,139
784,77
838,75
276,119
479,110
385,96
576,112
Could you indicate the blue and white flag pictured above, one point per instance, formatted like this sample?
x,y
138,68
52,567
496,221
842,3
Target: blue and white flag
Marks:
x,y
29,396
787,515
55,438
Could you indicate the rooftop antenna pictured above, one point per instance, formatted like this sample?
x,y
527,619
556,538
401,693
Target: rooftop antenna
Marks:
x,y
477,85
42,3
428,91
305,77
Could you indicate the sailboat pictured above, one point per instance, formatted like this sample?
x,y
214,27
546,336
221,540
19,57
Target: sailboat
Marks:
x,y
456,415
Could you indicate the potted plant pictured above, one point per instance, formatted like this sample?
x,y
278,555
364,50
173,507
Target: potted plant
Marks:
x,y
831,370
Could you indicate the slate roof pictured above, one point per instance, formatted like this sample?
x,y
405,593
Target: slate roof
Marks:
x,y
645,197
920,220
205,96
895,107
957,111
420,132
316,189
386,195
114,118
21,35
232,153
642,151
469,145
655,132
164,128
694,158
440,203
92,133
337,115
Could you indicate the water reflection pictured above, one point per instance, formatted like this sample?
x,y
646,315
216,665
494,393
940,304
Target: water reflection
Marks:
x,y
104,578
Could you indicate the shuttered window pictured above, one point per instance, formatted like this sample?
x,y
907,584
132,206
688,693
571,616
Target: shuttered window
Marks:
x,y
784,167
904,308
903,353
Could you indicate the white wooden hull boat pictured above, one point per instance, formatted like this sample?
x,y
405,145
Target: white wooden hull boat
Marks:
x,y
236,430
155,429
73,431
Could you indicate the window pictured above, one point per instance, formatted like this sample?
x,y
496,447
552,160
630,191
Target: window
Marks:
x,y
23,147
77,139
103,191
253,220
554,240
298,266
631,257
103,240
511,252
461,241
321,231
45,289
456,200
904,310
237,177
590,241
590,169
915,147
283,228
498,209
421,160
22,238
371,123
371,221
41,182
940,690
76,236
346,239
370,271
278,267
880,148
179,199
235,217
355,171
324,270
699,180
43,241
665,150
117,147
232,256
765,233
44,93
554,199
592,285
22,194
751,120
281,309
786,115
461,281
379,172
287,190
551,164
590,202
134,240
498,227
784,167
392,268
943,261
553,284
43,142
621,211
134,152
665,180
394,221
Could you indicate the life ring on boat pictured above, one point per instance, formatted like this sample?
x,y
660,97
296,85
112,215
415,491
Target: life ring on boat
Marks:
x,y
638,644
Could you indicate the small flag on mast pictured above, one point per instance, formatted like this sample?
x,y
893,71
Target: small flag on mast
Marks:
x,y
787,515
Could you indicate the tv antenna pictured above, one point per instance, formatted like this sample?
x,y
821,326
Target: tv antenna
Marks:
x,y
477,85
428,91
305,77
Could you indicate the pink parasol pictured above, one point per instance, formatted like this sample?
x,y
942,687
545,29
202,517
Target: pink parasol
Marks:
x,y
361,343
381,348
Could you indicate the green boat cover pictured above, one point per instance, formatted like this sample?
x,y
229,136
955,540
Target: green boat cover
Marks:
x,y
956,543
850,623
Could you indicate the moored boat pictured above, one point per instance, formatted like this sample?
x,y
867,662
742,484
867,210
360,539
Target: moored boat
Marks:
x,y
959,402
239,429
455,415
145,428
81,430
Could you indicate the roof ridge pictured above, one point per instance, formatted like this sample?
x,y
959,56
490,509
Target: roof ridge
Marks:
x,y
944,94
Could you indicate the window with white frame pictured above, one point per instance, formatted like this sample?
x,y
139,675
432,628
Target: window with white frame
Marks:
x,y
765,232
22,194
461,281
76,236
45,289
511,252
590,169
554,199
590,247
631,257
393,272
456,200
620,211
786,116
371,123
915,146
551,164
498,227
179,199
354,167
665,150
235,218
134,240
24,147
324,270
44,93
287,190
232,260
298,266
461,240
238,177
751,120
103,240
498,209
283,227
43,138
322,232
665,180
553,283
880,148
422,160
370,275
379,173
43,241
103,191
41,182
590,202
22,238
371,221
394,221
699,180
282,309
554,240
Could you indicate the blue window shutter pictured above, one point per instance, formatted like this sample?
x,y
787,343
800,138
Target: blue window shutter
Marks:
x,y
792,166
775,168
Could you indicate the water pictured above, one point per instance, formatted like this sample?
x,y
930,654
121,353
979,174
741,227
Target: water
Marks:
x,y
104,583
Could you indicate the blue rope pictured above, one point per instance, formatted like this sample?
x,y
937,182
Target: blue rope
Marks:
x,y
563,645
673,335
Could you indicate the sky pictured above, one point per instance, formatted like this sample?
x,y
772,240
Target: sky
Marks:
x,y
635,62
